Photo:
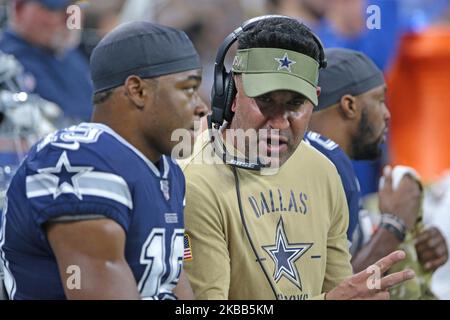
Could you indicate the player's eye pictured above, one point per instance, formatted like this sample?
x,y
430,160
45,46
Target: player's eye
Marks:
x,y
190,89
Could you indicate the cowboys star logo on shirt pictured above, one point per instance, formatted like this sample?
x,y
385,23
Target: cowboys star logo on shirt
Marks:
x,y
285,63
285,254
66,178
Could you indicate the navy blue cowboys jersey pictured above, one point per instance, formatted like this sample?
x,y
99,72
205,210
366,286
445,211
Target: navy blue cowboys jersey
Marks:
x,y
345,169
86,172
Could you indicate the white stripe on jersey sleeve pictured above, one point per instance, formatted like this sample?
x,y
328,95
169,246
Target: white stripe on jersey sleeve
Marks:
x,y
88,183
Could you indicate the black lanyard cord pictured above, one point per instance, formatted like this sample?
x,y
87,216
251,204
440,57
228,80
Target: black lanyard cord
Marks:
x,y
241,212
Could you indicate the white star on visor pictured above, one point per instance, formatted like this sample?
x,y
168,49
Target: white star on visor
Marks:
x,y
285,63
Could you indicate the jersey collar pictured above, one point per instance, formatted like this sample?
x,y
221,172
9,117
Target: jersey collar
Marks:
x,y
150,164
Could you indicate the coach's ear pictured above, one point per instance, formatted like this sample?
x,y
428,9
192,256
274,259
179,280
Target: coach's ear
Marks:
x,y
348,106
135,90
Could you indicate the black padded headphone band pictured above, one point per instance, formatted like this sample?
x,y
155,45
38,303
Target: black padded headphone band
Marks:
x,y
219,67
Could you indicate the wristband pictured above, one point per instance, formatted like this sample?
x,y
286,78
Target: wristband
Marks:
x,y
394,224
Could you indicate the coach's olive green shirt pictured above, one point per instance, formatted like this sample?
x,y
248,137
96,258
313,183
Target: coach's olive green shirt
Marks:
x,y
297,222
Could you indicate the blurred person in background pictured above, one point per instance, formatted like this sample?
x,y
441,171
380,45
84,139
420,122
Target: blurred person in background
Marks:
x,y
311,12
24,118
100,17
38,36
351,122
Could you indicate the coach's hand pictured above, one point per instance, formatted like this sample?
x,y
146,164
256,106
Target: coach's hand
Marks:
x,y
370,284
431,249
404,202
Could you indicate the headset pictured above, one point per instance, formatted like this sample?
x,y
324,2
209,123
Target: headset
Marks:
x,y
222,95
224,90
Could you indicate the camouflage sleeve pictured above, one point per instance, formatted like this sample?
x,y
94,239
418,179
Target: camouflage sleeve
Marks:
x,y
208,269
338,257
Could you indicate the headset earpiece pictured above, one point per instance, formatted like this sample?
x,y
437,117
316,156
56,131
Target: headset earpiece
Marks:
x,y
229,98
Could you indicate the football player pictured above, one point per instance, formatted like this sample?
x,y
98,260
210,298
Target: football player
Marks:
x,y
95,211
351,122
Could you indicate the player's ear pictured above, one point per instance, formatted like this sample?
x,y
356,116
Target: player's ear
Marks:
x,y
348,106
135,91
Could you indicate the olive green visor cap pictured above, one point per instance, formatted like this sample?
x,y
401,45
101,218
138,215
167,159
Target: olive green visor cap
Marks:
x,y
268,69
